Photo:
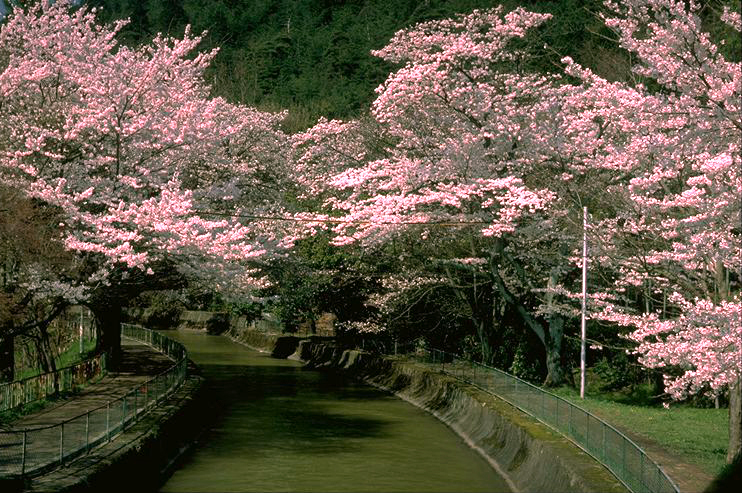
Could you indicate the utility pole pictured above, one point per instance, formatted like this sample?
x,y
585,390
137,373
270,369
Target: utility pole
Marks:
x,y
584,301
81,333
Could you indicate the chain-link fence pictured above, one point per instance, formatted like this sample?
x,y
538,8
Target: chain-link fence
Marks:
x,y
628,462
33,451
28,390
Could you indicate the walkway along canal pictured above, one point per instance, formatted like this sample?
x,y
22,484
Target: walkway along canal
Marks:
x,y
274,426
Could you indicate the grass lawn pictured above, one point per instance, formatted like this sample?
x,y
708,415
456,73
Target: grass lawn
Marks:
x,y
699,436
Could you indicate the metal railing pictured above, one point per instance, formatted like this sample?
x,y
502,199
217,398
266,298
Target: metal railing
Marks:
x,y
31,389
624,458
32,451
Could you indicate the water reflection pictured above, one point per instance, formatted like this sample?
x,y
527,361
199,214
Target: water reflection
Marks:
x,y
273,426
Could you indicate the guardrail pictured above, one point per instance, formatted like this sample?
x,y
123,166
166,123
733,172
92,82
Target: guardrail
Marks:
x,y
33,451
31,389
624,458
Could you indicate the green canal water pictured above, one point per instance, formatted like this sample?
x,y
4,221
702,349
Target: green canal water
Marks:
x,y
273,426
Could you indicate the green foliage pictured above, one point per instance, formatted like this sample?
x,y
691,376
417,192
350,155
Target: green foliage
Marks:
x,y
617,371
251,310
525,366
157,309
318,278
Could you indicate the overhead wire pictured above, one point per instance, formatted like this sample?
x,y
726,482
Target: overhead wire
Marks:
x,y
344,221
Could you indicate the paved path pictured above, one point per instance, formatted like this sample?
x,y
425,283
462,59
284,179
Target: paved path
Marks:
x,y
97,421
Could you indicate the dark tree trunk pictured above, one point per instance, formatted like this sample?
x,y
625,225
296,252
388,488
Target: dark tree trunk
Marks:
x,y
556,373
46,355
7,359
108,323
484,332
735,422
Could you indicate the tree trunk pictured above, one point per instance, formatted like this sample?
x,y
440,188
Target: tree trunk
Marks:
x,y
7,359
46,355
483,332
735,422
556,374
108,322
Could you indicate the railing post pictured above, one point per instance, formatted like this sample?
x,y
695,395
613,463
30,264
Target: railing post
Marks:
x,y
23,454
108,421
87,432
123,412
658,478
569,419
61,444
623,456
604,454
136,407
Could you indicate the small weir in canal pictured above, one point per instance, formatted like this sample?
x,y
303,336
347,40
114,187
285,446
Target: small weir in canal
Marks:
x,y
274,426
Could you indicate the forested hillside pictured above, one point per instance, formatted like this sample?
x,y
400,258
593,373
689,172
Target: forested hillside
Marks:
x,y
313,57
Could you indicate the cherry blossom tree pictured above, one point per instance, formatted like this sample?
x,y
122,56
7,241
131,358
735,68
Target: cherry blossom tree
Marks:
x,y
130,146
467,129
672,145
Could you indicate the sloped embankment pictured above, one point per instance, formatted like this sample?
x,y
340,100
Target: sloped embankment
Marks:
x,y
527,453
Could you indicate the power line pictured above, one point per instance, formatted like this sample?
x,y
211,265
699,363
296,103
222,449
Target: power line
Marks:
x,y
343,221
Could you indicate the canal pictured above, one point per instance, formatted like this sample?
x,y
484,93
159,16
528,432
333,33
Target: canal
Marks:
x,y
274,426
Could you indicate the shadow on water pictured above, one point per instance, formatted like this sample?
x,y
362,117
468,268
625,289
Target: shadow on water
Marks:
x,y
255,409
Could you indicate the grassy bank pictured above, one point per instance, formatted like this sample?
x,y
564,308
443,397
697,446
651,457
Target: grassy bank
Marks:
x,y
700,436
69,357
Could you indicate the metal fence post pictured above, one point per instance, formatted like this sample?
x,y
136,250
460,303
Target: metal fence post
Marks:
x,y
623,456
604,454
61,444
108,421
23,454
569,419
87,432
